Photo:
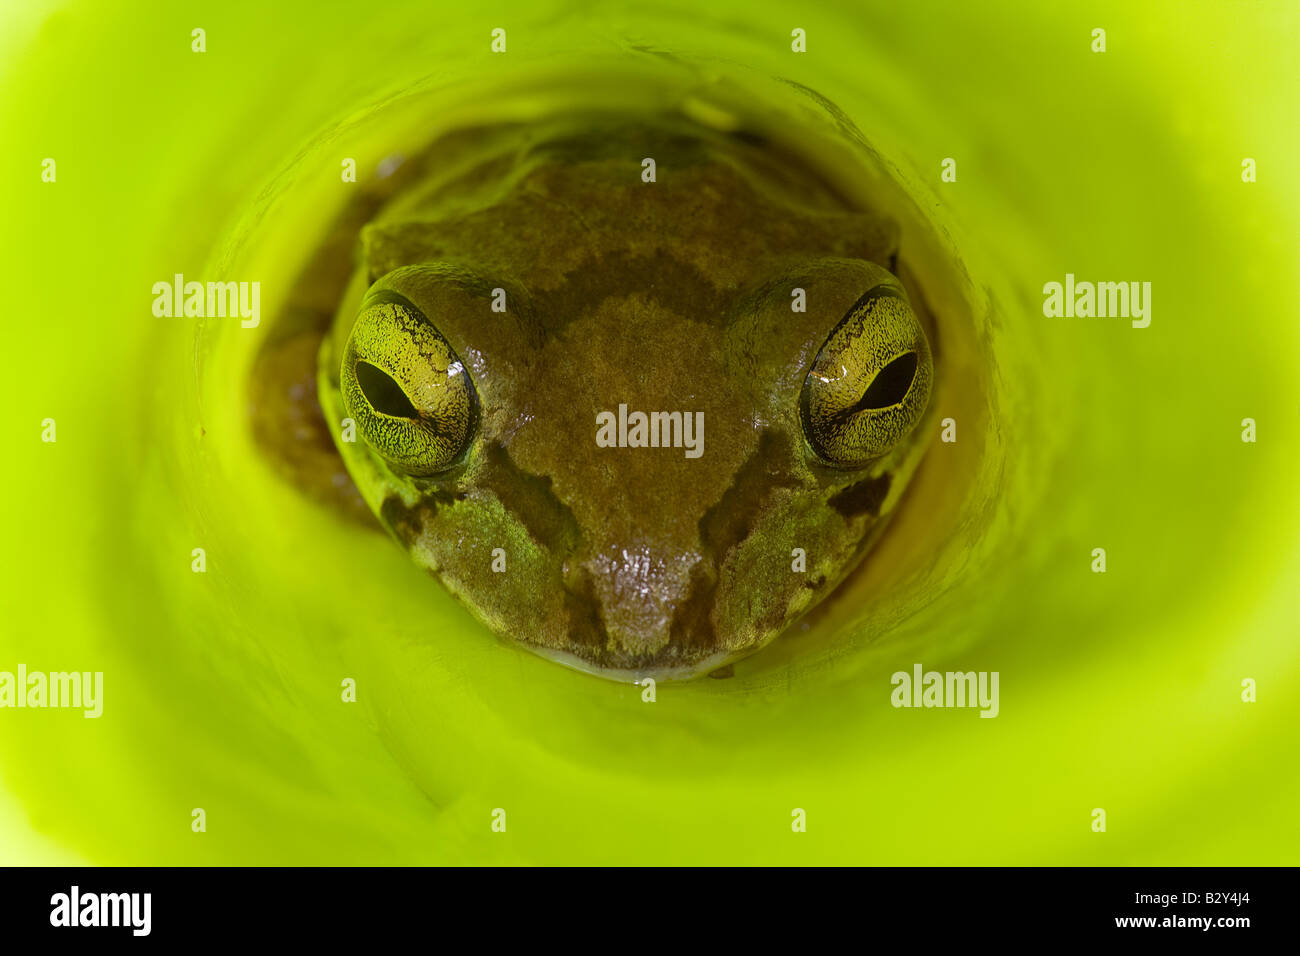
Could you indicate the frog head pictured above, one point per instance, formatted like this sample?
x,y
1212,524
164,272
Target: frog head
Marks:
x,y
636,424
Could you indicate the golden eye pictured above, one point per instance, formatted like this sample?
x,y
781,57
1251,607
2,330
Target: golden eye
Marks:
x,y
870,382
403,384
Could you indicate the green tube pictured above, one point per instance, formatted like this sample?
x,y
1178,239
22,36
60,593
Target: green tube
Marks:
x,y
1162,691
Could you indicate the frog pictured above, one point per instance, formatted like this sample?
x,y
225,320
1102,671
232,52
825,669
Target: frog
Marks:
x,y
528,282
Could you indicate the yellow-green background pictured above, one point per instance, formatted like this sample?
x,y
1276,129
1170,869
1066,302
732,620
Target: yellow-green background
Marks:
x,y
1118,691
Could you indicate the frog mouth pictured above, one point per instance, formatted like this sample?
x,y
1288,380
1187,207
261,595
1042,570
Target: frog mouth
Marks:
x,y
715,665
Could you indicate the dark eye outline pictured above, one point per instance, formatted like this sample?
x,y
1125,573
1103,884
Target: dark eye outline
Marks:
x,y
912,363
395,404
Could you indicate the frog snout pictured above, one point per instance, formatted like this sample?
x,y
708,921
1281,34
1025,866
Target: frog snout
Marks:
x,y
639,594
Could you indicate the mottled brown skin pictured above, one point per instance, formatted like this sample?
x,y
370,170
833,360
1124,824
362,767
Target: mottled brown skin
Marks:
x,y
672,295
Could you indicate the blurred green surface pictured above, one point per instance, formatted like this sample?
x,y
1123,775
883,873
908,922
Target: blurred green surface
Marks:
x,y
1119,691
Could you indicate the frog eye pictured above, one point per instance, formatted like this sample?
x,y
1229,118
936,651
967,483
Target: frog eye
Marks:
x,y
407,390
870,383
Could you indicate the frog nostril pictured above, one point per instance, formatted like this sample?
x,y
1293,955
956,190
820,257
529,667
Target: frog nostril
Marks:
x,y
383,393
891,383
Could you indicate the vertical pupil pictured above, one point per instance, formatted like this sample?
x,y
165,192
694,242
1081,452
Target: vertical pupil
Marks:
x,y
384,395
